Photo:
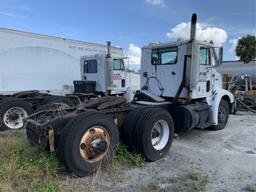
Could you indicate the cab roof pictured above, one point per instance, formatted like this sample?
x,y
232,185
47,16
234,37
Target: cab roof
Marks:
x,y
174,44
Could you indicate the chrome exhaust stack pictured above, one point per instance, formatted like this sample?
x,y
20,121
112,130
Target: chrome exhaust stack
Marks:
x,y
109,67
193,27
108,49
191,60
194,54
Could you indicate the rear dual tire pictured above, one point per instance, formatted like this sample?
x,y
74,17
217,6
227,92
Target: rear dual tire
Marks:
x,y
88,142
12,113
152,132
129,126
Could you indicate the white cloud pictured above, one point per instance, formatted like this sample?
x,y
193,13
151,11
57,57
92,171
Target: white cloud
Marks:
x,y
204,33
233,43
7,14
160,3
134,54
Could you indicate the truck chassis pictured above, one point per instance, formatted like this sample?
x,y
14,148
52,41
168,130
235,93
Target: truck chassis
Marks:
x,y
86,137
13,108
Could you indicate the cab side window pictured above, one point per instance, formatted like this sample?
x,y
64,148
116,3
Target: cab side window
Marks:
x,y
169,57
204,56
90,66
165,56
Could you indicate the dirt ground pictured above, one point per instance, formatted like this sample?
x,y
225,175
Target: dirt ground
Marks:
x,y
227,158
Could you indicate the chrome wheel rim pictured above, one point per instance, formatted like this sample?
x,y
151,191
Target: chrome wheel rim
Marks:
x,y
13,117
94,144
160,134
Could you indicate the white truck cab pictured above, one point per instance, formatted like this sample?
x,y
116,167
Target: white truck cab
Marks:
x,y
184,72
108,73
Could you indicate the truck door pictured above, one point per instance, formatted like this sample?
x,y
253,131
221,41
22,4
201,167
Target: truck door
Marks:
x,y
204,85
119,74
168,71
90,70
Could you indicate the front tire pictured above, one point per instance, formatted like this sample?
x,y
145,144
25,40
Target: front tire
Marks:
x,y
88,142
154,133
223,114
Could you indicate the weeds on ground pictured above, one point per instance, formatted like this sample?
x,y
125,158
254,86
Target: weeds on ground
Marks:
x,y
250,188
193,182
152,187
123,156
26,168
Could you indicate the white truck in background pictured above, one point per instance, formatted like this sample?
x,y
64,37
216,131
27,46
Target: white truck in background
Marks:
x,y
31,61
49,66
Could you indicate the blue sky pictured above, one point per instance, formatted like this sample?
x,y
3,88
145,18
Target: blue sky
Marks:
x,y
130,24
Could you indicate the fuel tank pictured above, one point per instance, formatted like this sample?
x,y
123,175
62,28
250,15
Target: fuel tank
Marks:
x,y
186,117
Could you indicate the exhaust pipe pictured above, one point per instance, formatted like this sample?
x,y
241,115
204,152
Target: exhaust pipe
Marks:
x,y
191,60
193,53
109,67
193,27
108,49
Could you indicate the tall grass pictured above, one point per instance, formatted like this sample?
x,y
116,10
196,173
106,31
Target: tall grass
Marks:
x,y
26,168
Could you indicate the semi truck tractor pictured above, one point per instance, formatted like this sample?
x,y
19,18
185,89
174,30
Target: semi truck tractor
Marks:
x,y
180,90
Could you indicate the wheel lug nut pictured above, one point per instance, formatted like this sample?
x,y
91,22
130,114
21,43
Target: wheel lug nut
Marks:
x,y
92,131
82,146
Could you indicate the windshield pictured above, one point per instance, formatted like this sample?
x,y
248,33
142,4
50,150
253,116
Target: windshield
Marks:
x,y
118,64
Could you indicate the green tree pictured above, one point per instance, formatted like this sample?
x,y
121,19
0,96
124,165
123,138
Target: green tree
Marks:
x,y
246,48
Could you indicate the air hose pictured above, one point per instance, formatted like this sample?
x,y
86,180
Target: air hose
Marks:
x,y
145,87
245,106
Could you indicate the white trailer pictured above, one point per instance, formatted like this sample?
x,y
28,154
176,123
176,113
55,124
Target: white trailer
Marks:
x,y
31,61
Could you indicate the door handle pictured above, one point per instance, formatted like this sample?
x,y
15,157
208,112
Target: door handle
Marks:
x,y
173,73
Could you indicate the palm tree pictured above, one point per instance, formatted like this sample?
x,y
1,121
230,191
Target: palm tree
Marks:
x,y
246,48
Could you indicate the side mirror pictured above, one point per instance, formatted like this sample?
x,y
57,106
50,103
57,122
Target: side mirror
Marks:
x,y
220,55
155,61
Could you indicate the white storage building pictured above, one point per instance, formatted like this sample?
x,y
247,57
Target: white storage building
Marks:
x,y
31,61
